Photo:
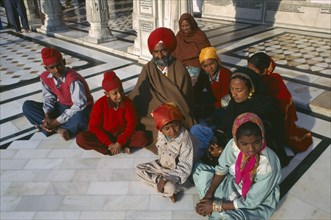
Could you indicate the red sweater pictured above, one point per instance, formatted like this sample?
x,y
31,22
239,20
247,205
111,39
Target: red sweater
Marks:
x,y
104,120
221,88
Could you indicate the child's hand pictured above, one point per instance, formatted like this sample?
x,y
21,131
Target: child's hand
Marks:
x,y
115,148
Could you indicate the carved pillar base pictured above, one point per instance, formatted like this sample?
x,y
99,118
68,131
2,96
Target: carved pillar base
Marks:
x,y
53,23
99,33
53,16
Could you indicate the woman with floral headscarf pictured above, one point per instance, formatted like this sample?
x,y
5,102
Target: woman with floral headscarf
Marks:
x,y
245,184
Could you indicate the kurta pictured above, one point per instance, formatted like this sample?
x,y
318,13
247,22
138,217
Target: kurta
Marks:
x,y
175,162
153,88
296,137
261,199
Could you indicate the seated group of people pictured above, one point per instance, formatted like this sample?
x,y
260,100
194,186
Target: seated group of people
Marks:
x,y
228,130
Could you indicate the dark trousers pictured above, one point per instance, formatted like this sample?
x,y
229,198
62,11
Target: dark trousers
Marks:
x,y
34,112
15,9
88,141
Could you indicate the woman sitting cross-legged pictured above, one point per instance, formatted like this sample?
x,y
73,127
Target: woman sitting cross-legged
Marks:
x,y
176,151
245,183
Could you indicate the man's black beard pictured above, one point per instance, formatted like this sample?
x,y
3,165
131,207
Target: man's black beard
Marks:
x,y
163,62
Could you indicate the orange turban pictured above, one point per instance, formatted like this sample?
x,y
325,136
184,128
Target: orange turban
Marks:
x,y
164,35
50,56
110,81
208,53
166,113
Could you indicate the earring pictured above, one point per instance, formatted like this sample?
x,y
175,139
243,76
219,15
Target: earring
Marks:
x,y
250,95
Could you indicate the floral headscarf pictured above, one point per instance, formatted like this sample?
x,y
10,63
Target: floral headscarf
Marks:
x,y
246,165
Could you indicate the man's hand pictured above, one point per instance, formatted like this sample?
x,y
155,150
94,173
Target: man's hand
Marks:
x,y
115,148
204,207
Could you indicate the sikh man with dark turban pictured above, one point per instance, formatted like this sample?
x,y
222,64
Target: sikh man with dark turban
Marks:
x,y
162,80
67,100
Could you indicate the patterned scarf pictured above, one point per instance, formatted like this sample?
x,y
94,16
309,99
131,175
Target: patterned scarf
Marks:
x,y
246,165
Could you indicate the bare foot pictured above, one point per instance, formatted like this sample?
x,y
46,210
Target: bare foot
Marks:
x,y
173,198
64,133
127,150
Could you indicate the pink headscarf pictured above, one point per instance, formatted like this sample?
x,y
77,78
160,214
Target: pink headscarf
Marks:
x,y
246,165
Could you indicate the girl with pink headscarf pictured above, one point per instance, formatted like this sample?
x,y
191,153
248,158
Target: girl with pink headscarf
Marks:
x,y
245,183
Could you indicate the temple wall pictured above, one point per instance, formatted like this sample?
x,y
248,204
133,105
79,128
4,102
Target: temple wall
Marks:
x,y
304,14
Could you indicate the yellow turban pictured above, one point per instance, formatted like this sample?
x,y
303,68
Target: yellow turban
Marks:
x,y
207,53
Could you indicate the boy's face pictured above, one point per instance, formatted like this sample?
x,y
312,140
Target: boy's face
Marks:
x,y
115,95
172,129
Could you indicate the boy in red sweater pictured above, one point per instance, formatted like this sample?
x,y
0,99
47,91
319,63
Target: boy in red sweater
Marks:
x,y
113,121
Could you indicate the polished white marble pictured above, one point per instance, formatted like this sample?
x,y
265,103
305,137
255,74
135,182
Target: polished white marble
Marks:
x,y
24,144
186,215
67,188
56,215
127,202
13,164
152,215
18,175
157,202
65,153
40,203
7,129
17,215
55,175
114,162
108,188
73,163
35,153
9,203
93,175
27,188
83,203
45,164
96,215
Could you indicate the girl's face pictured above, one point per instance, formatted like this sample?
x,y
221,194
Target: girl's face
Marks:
x,y
215,150
172,129
115,95
185,26
250,145
239,90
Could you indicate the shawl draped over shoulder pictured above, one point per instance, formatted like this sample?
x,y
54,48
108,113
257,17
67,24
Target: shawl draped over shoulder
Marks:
x,y
189,45
153,89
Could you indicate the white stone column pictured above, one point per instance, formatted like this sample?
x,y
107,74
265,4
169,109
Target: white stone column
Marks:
x,y
31,9
150,14
53,16
97,15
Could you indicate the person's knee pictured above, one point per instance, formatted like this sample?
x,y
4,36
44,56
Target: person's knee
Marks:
x,y
27,106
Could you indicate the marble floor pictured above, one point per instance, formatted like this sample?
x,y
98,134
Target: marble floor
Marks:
x,y
48,178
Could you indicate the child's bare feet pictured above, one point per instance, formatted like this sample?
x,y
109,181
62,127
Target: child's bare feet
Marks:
x,y
127,150
64,133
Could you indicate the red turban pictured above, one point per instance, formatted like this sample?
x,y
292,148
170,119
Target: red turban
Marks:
x,y
110,81
50,56
165,35
166,113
